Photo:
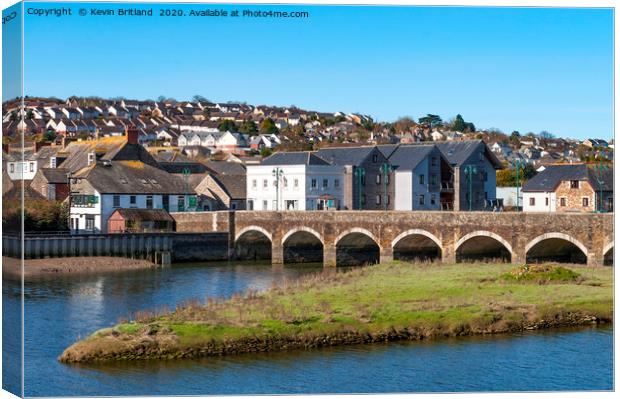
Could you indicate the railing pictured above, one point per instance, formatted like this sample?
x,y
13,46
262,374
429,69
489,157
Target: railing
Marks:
x,y
447,186
124,245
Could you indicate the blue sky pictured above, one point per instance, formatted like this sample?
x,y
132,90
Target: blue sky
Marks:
x,y
510,68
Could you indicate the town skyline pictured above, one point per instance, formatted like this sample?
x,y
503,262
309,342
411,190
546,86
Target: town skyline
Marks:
x,y
507,68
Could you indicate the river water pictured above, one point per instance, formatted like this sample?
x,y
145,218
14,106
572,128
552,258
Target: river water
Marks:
x,y
61,310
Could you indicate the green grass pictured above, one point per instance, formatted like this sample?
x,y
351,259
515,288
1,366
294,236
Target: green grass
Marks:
x,y
374,300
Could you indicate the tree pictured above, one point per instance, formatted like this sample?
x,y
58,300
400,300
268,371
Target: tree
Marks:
x,y
268,126
199,99
265,152
248,127
227,126
546,135
430,120
161,99
515,137
459,123
507,177
50,135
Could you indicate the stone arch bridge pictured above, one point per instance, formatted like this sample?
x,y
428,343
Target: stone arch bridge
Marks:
x,y
448,236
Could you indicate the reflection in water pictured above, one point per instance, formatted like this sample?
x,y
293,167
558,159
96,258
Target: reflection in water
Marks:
x,y
61,310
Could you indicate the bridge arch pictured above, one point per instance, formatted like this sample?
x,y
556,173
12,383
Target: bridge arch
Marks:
x,y
253,228
482,244
565,248
253,243
608,254
302,229
357,230
357,246
302,245
417,244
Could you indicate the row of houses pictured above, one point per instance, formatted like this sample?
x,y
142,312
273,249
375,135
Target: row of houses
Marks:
x,y
102,178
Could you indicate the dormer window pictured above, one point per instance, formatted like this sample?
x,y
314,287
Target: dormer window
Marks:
x,y
53,162
574,184
375,157
91,158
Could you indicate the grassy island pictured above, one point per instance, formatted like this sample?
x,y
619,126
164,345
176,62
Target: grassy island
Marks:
x,y
370,304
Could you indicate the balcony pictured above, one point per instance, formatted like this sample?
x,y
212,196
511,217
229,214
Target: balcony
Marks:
x,y
447,187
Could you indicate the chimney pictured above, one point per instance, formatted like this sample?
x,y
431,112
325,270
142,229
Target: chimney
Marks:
x,y
132,135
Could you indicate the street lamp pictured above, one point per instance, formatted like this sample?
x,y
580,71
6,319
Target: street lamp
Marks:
x,y
600,168
518,164
385,171
277,173
470,171
359,173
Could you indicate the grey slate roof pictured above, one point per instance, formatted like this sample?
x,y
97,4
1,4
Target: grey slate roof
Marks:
x,y
409,156
293,158
225,167
55,175
234,185
345,155
457,152
132,177
156,215
548,179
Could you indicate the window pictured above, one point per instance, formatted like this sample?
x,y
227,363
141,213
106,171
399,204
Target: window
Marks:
x,y
52,162
484,176
378,179
433,199
563,201
180,204
421,178
90,222
387,179
574,184
325,183
274,205
265,203
481,156
254,183
285,180
387,200
363,199
132,200
233,206
250,205
296,183
313,183
546,201
363,180
433,161
433,179
149,201
585,201
336,182
532,201
165,200
421,199
378,200
116,201
12,167
375,157
32,166
265,184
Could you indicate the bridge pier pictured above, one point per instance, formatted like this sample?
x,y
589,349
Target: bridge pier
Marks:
x,y
448,255
518,257
594,260
329,256
386,254
277,254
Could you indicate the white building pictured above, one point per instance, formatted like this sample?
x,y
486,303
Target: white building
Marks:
x,y
101,188
418,177
306,182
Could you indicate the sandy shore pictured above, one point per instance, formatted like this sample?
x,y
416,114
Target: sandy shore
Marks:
x,y
11,267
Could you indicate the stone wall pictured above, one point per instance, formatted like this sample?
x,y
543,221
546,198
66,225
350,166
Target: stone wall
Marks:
x,y
517,231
